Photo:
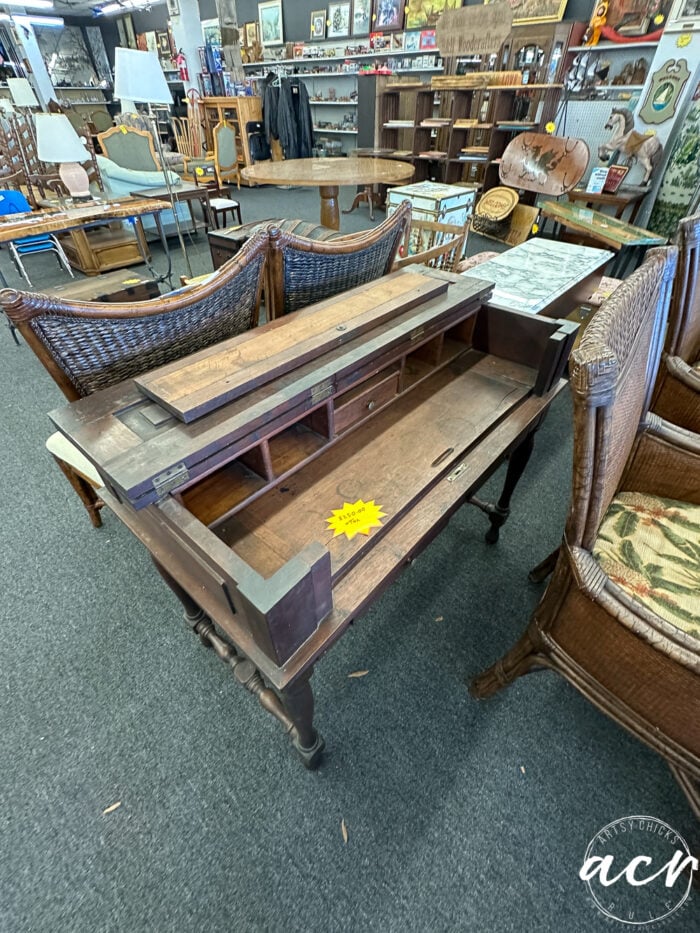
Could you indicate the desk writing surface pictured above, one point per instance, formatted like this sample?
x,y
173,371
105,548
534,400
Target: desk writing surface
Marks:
x,y
533,275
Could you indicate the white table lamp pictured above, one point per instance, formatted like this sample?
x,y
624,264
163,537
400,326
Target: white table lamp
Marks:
x,y
57,141
138,76
22,92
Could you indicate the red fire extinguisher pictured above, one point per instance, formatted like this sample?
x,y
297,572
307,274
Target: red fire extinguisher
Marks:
x,y
181,63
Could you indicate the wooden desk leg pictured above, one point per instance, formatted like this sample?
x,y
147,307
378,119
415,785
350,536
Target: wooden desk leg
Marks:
x,y
298,702
330,215
517,462
296,708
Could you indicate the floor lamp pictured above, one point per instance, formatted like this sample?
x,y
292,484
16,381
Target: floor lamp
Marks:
x,y
139,77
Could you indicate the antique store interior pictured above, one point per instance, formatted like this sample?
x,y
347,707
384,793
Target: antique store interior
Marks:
x,y
357,347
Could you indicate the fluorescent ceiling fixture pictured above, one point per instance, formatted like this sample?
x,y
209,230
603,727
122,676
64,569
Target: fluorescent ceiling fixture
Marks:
x,y
38,20
30,4
123,7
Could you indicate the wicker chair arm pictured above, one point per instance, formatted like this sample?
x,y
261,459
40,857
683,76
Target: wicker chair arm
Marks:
x,y
597,586
665,462
680,370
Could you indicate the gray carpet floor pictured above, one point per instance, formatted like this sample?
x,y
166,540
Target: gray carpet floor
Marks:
x,y
460,815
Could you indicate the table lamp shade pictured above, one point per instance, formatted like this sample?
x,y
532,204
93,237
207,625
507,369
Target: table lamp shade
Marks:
x,y
139,77
57,141
22,92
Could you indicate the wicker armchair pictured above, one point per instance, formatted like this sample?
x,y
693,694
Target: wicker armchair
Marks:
x,y
677,392
302,271
88,346
620,619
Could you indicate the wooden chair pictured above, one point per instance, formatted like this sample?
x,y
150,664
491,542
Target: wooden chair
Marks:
x,y
88,346
620,618
438,245
130,148
226,163
677,392
302,271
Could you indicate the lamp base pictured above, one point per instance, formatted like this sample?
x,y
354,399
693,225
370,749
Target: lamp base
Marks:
x,y
76,180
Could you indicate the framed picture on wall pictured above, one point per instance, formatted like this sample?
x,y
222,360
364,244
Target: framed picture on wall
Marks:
x,y
318,25
684,16
251,33
541,11
173,7
163,40
388,15
338,19
361,17
130,32
270,19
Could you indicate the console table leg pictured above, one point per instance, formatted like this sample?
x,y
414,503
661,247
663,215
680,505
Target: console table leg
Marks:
x,y
298,702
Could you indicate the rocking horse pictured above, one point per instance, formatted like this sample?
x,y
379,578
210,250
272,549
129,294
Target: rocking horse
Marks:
x,y
647,150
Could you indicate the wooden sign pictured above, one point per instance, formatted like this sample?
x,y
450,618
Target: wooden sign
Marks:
x,y
474,30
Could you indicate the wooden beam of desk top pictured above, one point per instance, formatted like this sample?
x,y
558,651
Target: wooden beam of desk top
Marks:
x,y
209,379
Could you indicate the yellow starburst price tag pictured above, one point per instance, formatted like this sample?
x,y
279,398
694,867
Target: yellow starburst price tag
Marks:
x,y
355,518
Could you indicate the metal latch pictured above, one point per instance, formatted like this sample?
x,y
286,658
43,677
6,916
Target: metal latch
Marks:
x,y
169,479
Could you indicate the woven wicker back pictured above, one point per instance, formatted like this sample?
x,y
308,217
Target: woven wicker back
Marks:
x,y
612,374
683,337
88,346
305,271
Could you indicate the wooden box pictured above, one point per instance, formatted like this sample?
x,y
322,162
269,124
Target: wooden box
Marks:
x,y
228,464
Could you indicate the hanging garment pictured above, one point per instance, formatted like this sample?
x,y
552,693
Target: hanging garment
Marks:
x,y
271,96
294,120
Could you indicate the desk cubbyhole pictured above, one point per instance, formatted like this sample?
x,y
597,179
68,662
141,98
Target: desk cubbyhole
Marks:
x,y
226,488
421,362
299,442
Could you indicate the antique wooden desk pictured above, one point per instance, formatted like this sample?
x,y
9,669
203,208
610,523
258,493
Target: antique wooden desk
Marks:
x,y
327,175
227,464
630,243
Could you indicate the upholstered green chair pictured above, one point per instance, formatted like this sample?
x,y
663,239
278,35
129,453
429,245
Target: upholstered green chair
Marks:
x,y
620,619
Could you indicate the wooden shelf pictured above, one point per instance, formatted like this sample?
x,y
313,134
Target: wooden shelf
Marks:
x,y
611,46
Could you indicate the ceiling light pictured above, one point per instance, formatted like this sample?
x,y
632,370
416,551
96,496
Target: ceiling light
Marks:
x,y
30,4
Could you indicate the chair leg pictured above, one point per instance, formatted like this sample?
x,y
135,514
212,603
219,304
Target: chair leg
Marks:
x,y
540,573
237,210
19,265
521,659
85,491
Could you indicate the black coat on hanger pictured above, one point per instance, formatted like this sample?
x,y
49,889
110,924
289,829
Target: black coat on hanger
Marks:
x,y
295,127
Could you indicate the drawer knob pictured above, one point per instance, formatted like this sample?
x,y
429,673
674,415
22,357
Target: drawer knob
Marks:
x,y
371,406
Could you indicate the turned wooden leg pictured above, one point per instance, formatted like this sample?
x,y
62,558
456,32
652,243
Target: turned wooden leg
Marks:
x,y
499,512
298,702
521,659
330,215
85,491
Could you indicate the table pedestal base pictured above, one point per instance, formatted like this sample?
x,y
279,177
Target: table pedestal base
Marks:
x,y
330,215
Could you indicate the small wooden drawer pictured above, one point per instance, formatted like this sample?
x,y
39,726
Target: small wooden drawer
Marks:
x,y
359,403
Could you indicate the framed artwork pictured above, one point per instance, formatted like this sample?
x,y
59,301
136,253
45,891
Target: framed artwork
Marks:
x,y
173,7
270,19
684,16
397,42
388,15
427,39
142,42
318,25
361,17
540,11
251,33
378,42
130,32
338,19
411,41
163,41
211,31
422,13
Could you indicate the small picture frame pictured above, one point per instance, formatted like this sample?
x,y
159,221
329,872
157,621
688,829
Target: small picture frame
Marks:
x,y
338,19
361,17
163,42
270,19
427,39
388,15
684,16
318,25
411,41
251,34
397,42
173,7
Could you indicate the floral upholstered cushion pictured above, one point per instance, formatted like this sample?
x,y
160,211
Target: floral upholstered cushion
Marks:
x,y
650,547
